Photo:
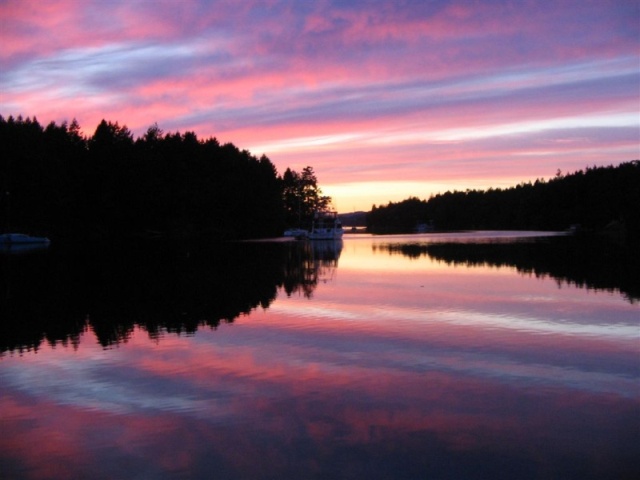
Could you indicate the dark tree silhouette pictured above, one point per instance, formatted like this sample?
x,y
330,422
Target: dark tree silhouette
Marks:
x,y
600,199
302,196
110,186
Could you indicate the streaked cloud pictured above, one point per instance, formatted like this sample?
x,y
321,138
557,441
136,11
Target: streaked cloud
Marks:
x,y
434,93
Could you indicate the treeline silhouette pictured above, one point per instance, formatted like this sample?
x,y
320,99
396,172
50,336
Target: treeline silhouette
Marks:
x,y
589,262
58,183
593,198
162,287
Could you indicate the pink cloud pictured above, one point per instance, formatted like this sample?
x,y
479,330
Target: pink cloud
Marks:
x,y
278,73
72,439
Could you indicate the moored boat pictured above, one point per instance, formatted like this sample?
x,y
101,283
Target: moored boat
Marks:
x,y
326,226
298,233
8,239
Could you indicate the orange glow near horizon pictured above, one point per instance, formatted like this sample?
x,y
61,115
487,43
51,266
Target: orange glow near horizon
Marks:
x,y
405,100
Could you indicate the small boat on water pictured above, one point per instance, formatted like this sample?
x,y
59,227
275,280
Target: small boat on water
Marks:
x,y
10,239
326,226
298,233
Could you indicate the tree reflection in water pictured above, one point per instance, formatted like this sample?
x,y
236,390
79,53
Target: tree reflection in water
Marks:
x,y
55,296
309,263
591,263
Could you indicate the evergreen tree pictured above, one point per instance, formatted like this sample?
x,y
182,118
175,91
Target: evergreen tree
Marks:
x,y
302,196
111,186
599,199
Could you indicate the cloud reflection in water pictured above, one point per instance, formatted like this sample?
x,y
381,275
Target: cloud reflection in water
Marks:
x,y
405,374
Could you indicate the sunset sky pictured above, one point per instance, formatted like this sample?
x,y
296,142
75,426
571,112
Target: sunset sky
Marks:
x,y
385,99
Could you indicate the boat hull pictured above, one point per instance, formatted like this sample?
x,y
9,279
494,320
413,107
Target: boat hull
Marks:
x,y
298,233
9,239
329,235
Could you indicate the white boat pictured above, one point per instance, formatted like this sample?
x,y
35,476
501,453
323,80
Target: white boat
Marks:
x,y
326,226
298,233
9,239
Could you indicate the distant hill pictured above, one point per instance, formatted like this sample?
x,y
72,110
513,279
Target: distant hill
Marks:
x,y
355,219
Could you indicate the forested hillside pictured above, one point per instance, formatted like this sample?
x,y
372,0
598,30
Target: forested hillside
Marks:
x,y
594,198
58,183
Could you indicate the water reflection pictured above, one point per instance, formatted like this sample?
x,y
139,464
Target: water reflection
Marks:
x,y
55,296
160,287
22,248
309,263
585,262
345,360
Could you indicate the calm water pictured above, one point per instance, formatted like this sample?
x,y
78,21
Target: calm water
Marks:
x,y
451,356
